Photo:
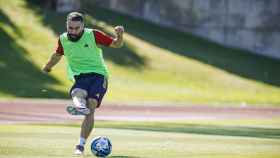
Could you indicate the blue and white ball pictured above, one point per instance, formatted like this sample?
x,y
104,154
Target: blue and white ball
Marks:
x,y
101,146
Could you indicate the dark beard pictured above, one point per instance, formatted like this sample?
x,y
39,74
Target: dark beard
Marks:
x,y
75,38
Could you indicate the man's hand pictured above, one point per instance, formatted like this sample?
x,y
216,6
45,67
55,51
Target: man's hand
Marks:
x,y
119,30
118,41
46,69
55,58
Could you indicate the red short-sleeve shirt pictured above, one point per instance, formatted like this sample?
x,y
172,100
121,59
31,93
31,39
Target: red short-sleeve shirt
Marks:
x,y
100,38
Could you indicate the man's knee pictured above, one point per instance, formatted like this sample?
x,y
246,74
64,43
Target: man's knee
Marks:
x,y
92,104
78,92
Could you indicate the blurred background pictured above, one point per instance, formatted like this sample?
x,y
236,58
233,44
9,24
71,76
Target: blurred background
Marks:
x,y
180,51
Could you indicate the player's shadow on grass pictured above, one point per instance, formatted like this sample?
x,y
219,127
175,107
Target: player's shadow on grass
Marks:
x,y
236,61
19,76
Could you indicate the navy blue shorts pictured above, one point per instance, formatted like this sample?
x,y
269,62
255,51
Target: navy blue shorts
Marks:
x,y
95,85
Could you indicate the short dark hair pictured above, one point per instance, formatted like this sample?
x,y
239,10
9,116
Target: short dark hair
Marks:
x,y
75,16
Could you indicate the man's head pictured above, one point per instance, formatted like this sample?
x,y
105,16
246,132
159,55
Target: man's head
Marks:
x,y
75,25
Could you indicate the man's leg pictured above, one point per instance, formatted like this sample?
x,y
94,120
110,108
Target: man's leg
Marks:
x,y
88,122
87,126
79,99
96,93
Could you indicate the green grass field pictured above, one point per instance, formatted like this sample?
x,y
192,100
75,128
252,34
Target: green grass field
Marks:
x,y
138,140
156,63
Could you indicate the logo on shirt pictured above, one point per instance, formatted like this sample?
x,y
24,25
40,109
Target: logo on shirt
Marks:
x,y
86,45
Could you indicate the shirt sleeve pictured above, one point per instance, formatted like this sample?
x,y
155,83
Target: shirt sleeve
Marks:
x,y
59,49
102,39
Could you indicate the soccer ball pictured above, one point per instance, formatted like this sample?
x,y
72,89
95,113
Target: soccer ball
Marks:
x,y
101,146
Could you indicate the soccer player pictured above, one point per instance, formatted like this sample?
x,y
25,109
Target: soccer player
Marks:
x,y
85,65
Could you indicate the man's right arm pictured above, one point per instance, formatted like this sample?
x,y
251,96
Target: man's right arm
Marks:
x,y
55,58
